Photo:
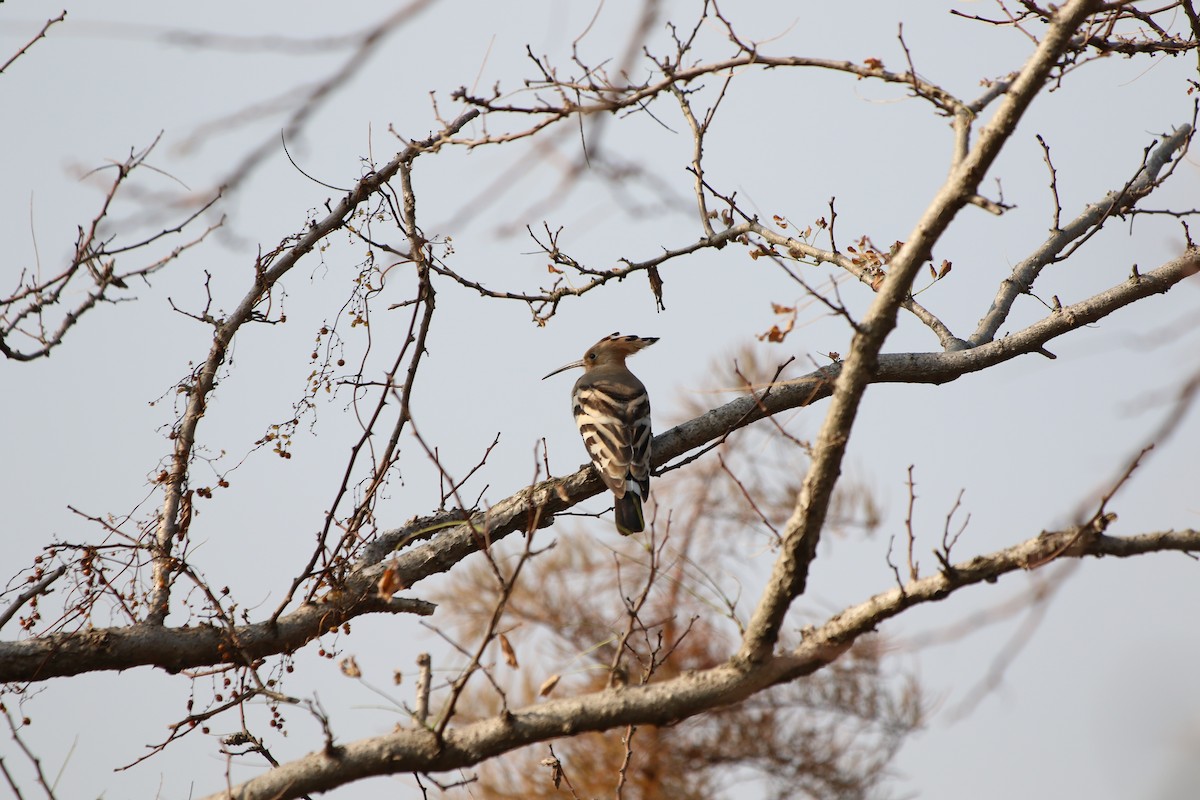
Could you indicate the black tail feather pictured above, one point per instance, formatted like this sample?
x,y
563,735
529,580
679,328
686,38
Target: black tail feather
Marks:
x,y
628,512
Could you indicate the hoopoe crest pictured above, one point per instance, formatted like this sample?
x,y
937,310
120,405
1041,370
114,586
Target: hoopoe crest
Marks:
x,y
612,410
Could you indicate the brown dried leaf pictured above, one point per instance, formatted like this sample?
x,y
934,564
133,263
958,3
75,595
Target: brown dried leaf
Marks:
x,y
656,286
349,667
510,655
389,583
556,770
548,685
945,270
777,334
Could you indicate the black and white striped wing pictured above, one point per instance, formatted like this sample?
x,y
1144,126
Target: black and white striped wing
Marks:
x,y
614,420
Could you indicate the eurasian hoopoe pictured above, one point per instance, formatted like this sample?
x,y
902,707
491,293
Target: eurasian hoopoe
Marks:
x,y
612,410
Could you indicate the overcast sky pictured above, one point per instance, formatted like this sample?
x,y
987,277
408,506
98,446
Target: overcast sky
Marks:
x,y
1100,703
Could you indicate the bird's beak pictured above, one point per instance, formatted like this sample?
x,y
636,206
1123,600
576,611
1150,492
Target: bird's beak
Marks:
x,y
572,365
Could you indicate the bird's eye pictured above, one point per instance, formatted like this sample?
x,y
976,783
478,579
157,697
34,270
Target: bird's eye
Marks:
x,y
591,356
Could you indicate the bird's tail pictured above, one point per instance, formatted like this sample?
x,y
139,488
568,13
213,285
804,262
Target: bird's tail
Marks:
x,y
628,512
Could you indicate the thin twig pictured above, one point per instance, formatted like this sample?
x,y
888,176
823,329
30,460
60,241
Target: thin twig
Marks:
x,y
33,591
41,34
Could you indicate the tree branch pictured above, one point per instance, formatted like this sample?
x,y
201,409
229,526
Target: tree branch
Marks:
x,y
40,35
1116,202
174,649
267,273
672,700
452,540
803,530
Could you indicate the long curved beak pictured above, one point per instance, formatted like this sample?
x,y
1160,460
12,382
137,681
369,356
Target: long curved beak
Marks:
x,y
572,365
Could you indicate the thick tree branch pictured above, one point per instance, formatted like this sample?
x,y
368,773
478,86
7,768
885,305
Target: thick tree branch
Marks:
x,y
238,658
451,541
553,496
803,530
174,649
679,698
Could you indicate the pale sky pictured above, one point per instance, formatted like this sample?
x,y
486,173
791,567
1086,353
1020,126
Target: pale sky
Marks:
x,y
1100,703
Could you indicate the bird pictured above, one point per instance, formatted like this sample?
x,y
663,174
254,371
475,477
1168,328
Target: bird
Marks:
x,y
612,411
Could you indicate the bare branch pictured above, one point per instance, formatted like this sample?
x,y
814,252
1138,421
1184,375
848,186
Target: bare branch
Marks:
x,y
1027,271
33,591
26,312
40,35
174,649
688,628
672,700
802,532
267,273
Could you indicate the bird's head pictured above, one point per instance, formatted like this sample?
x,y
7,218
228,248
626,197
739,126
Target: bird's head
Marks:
x,y
612,349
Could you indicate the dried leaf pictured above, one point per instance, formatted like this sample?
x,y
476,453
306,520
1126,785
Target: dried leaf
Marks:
x,y
777,334
945,270
556,770
548,685
510,655
656,286
185,514
873,63
389,583
349,667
